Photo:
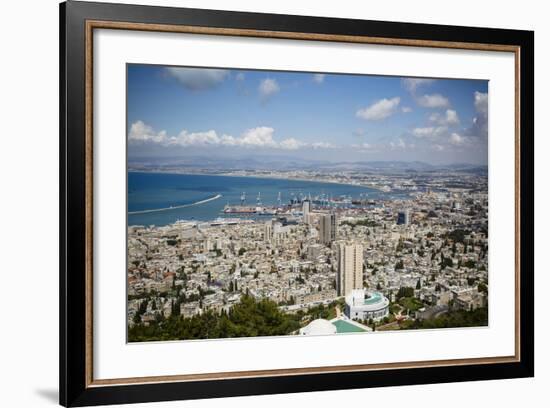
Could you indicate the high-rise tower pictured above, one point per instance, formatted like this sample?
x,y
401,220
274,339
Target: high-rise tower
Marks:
x,y
327,228
350,268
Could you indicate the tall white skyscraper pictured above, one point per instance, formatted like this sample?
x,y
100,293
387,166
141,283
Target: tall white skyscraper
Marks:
x,y
350,267
327,228
306,208
268,231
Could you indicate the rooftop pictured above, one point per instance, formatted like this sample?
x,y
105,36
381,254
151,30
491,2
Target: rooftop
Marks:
x,y
375,297
343,326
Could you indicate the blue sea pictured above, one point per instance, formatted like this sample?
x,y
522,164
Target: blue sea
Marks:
x,y
162,191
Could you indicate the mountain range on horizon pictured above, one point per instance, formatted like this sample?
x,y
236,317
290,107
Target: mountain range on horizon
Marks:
x,y
268,163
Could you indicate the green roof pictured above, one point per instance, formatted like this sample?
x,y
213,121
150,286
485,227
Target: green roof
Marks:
x,y
345,327
374,297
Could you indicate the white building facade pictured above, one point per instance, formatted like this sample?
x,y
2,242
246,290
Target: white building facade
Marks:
x,y
350,268
364,305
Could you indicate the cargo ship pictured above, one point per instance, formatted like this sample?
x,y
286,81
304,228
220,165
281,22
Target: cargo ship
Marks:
x,y
246,209
257,209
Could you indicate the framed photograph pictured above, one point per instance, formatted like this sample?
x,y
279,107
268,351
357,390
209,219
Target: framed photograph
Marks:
x,y
256,204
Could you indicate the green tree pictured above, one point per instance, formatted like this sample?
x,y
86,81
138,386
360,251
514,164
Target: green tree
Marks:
x,y
405,291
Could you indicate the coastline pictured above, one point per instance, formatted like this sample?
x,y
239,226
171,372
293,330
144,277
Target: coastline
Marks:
x,y
385,195
183,173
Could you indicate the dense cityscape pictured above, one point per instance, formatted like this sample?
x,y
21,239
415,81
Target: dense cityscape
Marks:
x,y
318,264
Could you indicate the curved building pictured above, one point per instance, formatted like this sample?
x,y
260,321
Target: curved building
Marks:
x,y
365,305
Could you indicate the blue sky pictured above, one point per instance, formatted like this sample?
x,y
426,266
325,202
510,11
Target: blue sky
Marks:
x,y
181,112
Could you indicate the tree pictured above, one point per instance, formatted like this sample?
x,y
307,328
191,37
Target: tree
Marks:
x,y
405,291
482,287
142,308
470,264
418,284
248,318
457,235
445,262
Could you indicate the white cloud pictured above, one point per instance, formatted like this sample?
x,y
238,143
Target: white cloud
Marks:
x,y
400,144
449,119
228,140
261,136
139,131
480,121
430,132
481,102
379,110
198,79
319,78
373,147
411,84
322,145
456,139
426,100
186,138
433,101
258,137
367,147
291,144
240,76
406,109
438,147
268,87
434,117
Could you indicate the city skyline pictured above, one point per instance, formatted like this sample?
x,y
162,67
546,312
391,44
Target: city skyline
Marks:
x,y
266,203
180,113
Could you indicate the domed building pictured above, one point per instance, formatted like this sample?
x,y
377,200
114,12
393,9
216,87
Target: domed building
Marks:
x,y
318,327
338,325
364,305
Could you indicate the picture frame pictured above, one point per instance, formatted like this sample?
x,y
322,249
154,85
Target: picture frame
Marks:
x,y
79,20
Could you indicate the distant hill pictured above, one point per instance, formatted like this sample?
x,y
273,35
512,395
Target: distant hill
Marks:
x,y
269,163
